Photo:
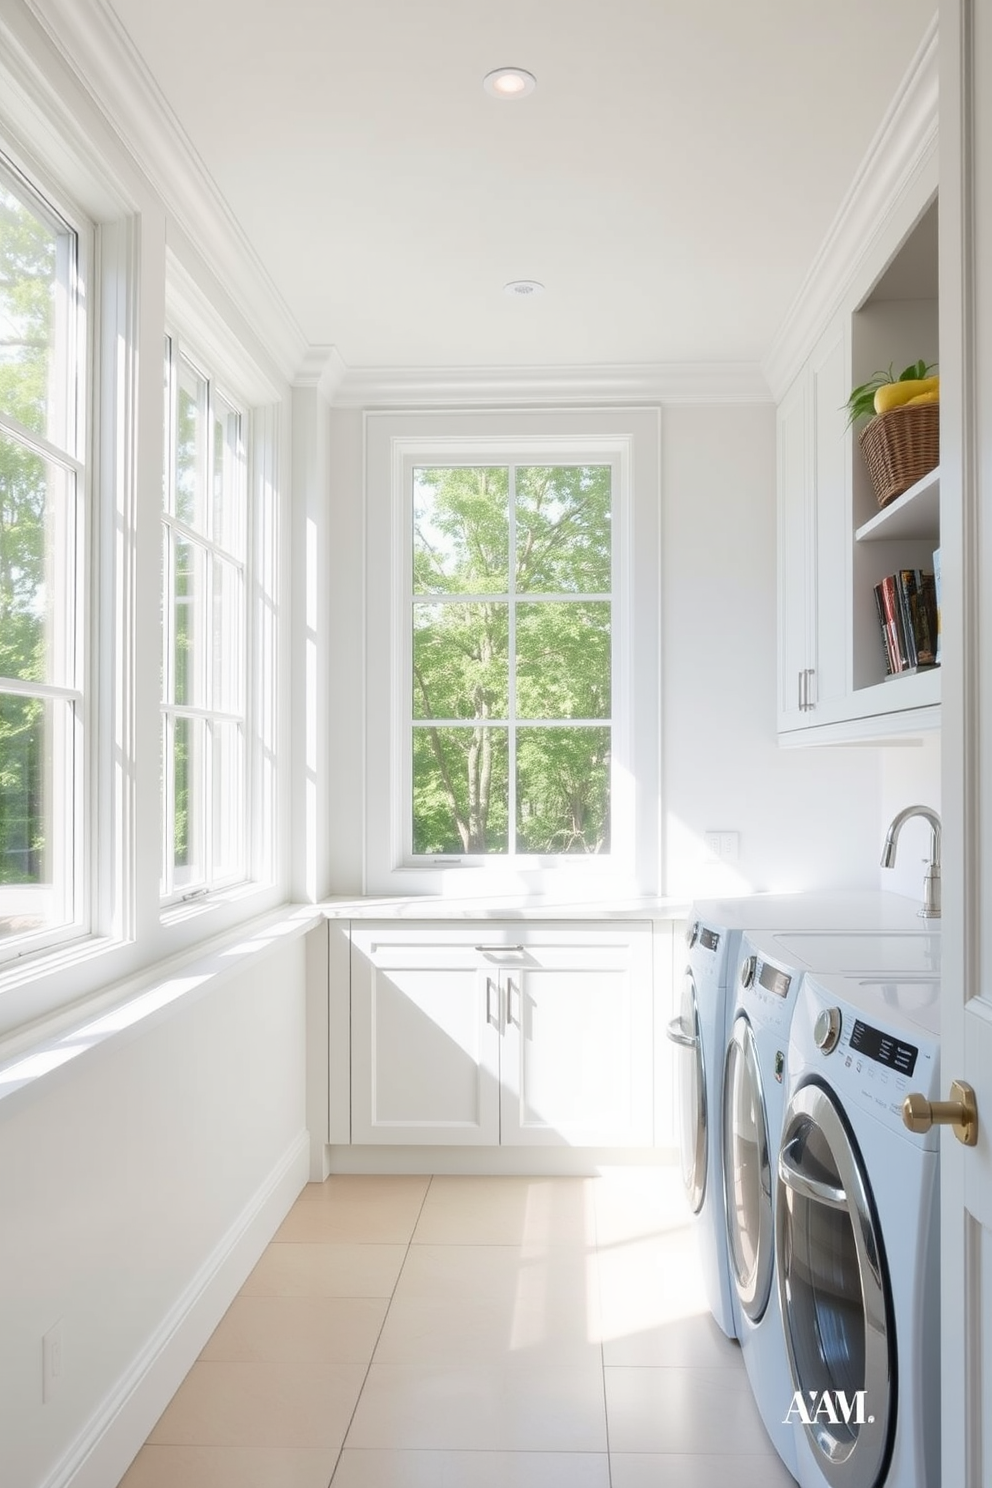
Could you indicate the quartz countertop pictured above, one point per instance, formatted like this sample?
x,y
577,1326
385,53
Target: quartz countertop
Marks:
x,y
500,907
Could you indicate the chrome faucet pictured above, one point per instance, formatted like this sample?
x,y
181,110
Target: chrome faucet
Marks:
x,y
931,882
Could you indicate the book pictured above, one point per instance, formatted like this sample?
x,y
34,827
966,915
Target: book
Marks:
x,y
880,607
907,597
926,620
893,637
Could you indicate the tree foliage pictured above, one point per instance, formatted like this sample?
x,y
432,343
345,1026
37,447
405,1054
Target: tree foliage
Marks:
x,y
471,682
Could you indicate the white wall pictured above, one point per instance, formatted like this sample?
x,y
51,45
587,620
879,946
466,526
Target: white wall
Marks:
x,y
807,818
139,1184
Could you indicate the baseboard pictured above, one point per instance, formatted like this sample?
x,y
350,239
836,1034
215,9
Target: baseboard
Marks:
x,y
108,1443
530,1162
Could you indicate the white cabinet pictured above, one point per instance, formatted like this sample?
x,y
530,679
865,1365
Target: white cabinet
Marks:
x,y
833,548
814,523
509,1033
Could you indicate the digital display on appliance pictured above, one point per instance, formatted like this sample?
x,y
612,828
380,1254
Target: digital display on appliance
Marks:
x,y
774,980
883,1048
709,940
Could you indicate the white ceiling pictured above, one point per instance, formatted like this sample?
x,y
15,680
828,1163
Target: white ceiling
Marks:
x,y
669,181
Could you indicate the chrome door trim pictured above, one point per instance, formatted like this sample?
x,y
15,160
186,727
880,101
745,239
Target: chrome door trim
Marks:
x,y
753,1286
846,1457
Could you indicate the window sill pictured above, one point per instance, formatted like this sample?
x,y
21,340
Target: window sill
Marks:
x,y
119,1012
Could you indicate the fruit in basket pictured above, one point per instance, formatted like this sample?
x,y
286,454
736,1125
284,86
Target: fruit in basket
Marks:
x,y
884,390
912,390
932,397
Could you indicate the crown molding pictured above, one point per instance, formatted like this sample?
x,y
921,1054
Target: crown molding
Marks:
x,y
323,368
92,42
473,387
904,143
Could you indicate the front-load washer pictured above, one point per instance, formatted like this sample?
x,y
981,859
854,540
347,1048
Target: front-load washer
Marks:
x,y
714,933
857,1235
771,969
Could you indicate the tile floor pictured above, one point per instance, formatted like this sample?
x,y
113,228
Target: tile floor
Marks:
x,y
448,1332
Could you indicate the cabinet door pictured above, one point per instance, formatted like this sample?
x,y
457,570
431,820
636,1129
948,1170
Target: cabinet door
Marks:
x,y
830,527
577,1058
425,1039
794,556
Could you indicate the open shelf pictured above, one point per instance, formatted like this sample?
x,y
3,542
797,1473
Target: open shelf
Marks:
x,y
916,513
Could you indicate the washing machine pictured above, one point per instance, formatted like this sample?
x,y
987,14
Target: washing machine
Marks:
x,y
857,1235
770,973
714,933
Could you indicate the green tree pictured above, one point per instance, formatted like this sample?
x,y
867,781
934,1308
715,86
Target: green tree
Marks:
x,y
464,675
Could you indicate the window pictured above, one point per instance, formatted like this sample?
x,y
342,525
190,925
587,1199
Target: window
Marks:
x,y
43,494
513,599
511,660
204,663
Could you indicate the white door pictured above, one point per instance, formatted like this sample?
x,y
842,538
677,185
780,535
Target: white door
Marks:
x,y
577,1057
966,560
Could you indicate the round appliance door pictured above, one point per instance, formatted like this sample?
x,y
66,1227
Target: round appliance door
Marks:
x,y
747,1173
683,1031
834,1290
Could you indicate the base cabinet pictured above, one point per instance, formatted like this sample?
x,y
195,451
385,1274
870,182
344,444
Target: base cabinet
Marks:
x,y
496,1033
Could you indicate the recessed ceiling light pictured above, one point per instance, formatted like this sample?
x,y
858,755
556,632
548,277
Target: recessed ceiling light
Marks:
x,y
509,82
522,289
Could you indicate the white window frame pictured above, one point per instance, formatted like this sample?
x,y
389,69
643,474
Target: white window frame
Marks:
x,y
73,747
210,878
627,441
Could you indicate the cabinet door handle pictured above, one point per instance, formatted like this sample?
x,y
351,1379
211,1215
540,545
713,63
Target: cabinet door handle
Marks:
x,y
490,984
491,949
802,685
509,1002
810,703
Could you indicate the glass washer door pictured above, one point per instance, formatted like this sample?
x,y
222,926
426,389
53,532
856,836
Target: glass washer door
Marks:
x,y
834,1290
747,1173
683,1031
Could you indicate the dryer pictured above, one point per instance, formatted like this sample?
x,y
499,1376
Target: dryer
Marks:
x,y
713,936
771,970
857,1235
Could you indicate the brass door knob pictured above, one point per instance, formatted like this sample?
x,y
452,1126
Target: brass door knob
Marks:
x,y
960,1112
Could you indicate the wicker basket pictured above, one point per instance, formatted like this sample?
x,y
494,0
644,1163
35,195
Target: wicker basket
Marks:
x,y
900,447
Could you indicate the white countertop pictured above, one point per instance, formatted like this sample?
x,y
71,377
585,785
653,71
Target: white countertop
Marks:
x,y
496,907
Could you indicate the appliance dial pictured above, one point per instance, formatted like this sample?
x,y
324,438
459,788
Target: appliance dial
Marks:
x,y
826,1030
692,934
748,967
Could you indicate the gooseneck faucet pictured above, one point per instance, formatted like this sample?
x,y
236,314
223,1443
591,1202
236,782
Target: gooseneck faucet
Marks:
x,y
931,882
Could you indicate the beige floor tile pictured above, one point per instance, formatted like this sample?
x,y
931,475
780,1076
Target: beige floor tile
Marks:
x,y
507,1211
481,1409
650,1470
345,1270
691,1342
684,1412
639,1203
646,1284
231,1467
309,1330
261,1405
565,1277
347,1207
488,1331
378,1469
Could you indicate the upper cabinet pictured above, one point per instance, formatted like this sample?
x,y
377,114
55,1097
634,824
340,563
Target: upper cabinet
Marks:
x,y
878,272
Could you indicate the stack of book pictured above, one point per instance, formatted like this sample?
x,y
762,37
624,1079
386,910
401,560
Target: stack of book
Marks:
x,y
907,614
